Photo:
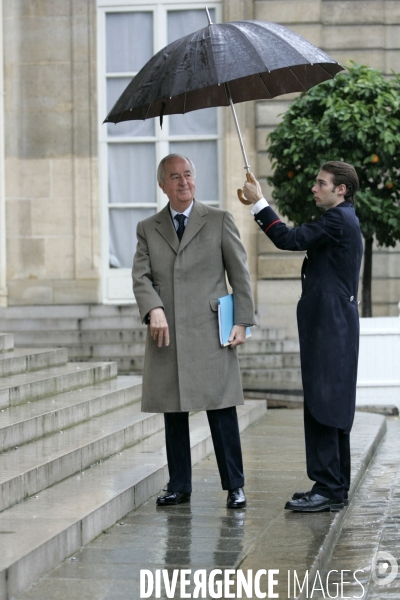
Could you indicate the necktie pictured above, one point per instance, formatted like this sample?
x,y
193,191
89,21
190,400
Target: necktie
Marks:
x,y
181,225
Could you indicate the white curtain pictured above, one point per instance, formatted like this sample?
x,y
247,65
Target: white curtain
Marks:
x,y
129,173
129,41
123,223
129,46
129,166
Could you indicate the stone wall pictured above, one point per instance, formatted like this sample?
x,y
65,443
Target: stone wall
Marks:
x,y
368,32
51,151
51,171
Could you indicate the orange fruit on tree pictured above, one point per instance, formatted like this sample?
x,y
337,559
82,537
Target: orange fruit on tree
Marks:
x,y
389,185
375,158
291,174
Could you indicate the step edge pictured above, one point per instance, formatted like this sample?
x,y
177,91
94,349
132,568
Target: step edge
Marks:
x,y
57,414
76,455
60,356
10,399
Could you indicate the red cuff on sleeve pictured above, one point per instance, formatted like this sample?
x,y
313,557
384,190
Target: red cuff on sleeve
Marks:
x,y
274,223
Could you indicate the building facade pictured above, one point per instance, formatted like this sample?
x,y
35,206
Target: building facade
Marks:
x,y
73,188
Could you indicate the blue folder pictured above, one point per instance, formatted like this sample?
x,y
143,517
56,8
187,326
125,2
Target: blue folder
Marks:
x,y
225,319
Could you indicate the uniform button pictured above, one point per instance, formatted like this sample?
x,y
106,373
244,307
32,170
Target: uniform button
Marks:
x,y
304,276
351,298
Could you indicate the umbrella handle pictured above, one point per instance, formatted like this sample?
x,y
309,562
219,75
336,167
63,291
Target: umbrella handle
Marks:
x,y
240,194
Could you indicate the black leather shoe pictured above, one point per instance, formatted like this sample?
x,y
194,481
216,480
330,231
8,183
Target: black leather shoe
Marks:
x,y
313,503
298,495
171,498
236,498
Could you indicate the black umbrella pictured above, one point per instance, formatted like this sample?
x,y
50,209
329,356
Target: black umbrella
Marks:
x,y
221,65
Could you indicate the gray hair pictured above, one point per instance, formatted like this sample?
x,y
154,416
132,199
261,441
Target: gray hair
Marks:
x,y
160,169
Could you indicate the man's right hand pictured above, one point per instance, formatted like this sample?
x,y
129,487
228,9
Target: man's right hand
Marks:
x,y
159,327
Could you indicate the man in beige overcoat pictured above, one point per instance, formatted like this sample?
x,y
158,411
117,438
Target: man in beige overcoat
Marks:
x,y
183,256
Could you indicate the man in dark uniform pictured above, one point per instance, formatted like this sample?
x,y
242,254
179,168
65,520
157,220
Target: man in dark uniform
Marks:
x,y
328,324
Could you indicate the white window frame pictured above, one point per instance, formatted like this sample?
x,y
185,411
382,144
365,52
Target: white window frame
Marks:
x,y
116,283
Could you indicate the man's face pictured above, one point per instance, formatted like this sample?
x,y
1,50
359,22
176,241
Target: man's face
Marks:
x,y
178,183
326,195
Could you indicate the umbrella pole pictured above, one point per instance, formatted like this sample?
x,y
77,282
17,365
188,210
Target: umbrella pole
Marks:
x,y
246,164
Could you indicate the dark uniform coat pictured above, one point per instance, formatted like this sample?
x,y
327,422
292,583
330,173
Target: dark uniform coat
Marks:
x,y
327,314
186,279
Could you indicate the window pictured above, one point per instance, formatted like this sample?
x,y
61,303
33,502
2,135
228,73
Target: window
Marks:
x,y
130,151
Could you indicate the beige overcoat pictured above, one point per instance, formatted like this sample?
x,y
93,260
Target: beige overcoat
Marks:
x,y
186,278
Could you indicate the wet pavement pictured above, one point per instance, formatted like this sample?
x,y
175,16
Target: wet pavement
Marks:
x,y
205,535
371,529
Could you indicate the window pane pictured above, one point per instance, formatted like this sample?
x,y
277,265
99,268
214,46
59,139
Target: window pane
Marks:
x,y
205,159
123,223
183,22
115,87
129,40
194,123
131,173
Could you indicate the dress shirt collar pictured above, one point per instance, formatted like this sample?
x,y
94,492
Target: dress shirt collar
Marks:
x,y
186,212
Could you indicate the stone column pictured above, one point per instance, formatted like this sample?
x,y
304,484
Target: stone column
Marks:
x,y
52,203
3,230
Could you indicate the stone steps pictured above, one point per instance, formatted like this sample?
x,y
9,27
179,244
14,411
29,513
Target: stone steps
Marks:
x,y
76,452
23,360
69,311
107,351
6,342
130,357
77,338
115,333
66,324
33,420
263,339
129,365
277,396
27,387
269,361
55,523
43,462
264,377
269,346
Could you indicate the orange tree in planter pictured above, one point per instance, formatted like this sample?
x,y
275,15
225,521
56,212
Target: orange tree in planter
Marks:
x,y
356,118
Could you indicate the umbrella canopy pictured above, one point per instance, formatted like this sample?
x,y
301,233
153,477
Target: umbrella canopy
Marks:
x,y
220,64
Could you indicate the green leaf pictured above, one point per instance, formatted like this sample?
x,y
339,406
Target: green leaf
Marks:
x,y
352,117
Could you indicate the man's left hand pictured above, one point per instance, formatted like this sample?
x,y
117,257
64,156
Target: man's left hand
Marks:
x,y
252,189
238,336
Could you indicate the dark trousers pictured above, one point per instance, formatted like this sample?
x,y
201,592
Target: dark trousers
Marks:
x,y
328,458
225,436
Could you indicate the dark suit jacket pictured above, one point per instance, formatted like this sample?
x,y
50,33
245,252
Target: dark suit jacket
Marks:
x,y
327,314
